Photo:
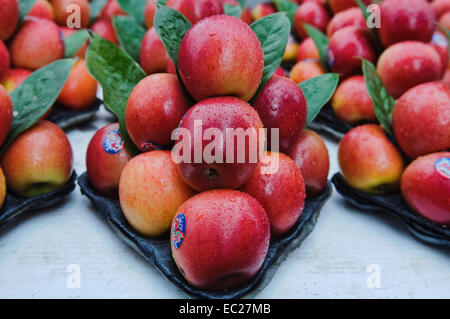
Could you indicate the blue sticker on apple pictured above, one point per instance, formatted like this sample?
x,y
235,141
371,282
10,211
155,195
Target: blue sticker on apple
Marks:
x,y
113,142
178,230
442,166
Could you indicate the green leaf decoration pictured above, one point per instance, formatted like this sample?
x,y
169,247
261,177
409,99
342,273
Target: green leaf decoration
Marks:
x,y
373,34
97,7
232,10
242,3
383,102
321,41
289,7
171,27
74,42
162,2
318,91
273,33
34,97
135,8
130,34
118,74
25,7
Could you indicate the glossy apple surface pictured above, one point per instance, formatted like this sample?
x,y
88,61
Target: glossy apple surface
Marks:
x,y
6,114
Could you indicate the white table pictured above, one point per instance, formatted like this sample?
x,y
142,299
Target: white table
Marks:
x,y
331,263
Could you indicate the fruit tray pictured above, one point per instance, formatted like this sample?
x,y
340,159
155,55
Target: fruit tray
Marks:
x,y
66,118
327,122
158,251
395,205
15,206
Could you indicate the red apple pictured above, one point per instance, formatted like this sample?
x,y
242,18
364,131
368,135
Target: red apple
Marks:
x,y
154,109
39,160
151,191
104,28
421,119
111,10
213,61
426,186
262,10
220,239
2,188
311,157
279,187
195,10
42,9
352,103
347,46
340,5
403,20
9,16
64,11
6,114
305,70
311,13
149,13
153,54
407,64
4,61
369,161
106,157
348,17
281,104
307,50
444,20
14,78
440,7
440,43
208,153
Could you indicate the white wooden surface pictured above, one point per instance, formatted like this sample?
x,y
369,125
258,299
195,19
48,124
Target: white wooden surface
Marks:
x,y
332,262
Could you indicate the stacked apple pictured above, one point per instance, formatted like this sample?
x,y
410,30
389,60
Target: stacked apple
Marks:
x,y
221,204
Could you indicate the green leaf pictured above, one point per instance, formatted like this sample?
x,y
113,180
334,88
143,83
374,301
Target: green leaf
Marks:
x,y
373,34
232,10
135,8
242,3
273,33
383,102
171,27
118,74
25,7
74,42
321,42
289,7
318,91
130,34
34,97
97,7
162,2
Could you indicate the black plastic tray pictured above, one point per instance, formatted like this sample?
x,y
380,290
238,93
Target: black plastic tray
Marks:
x,y
66,118
327,122
395,205
158,251
15,206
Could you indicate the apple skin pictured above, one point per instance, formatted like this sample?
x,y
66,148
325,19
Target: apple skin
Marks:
x,y
347,46
340,5
195,10
280,72
153,55
112,9
348,17
421,119
406,64
149,13
14,78
104,28
440,43
154,109
9,17
219,113
4,61
307,50
62,11
425,187
369,162
281,193
225,242
312,13
310,154
6,114
440,7
212,61
42,9
37,43
39,160
305,70
2,188
444,20
352,103
80,90
151,191
106,157
282,104
262,10
403,20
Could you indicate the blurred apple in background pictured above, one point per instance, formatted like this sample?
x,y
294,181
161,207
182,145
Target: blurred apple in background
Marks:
x,y
6,114
9,16
14,78
4,61
2,188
